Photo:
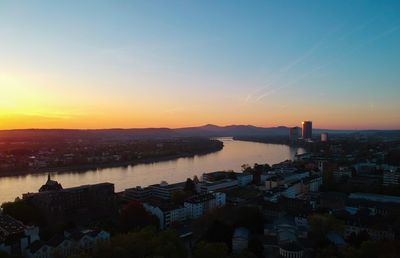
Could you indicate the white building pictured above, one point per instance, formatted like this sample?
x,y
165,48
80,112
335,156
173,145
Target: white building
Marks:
x,y
197,205
166,212
244,179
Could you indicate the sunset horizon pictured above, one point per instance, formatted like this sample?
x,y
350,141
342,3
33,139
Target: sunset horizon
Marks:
x,y
203,125
156,64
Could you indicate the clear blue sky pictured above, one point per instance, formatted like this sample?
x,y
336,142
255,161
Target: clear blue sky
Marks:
x,y
91,64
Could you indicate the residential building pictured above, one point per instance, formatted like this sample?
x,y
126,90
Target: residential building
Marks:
x,y
167,212
68,244
15,236
197,205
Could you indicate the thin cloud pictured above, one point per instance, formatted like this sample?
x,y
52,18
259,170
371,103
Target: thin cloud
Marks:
x,y
290,65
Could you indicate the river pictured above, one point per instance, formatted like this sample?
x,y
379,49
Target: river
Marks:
x,y
231,157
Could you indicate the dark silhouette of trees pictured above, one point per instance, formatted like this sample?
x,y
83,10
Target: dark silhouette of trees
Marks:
x,y
190,186
210,250
219,232
23,211
147,242
134,216
256,171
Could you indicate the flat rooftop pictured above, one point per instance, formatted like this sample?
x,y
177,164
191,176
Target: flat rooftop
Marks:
x,y
375,197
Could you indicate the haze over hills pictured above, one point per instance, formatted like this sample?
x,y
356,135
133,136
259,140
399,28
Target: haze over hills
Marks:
x,y
208,130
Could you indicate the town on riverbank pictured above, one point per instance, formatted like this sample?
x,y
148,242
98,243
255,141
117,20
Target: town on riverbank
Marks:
x,y
56,153
339,199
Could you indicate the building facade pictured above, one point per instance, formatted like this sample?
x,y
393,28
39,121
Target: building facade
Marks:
x,y
294,134
166,212
306,129
77,204
197,205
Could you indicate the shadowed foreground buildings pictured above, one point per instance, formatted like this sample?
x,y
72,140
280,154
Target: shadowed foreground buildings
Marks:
x,y
71,242
15,236
77,204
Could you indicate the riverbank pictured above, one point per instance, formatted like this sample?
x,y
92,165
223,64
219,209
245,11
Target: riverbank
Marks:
x,y
282,140
233,155
88,167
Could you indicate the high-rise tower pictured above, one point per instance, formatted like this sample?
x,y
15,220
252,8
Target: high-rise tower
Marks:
x,y
307,129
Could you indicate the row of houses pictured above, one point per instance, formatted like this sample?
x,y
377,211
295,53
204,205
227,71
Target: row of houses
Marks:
x,y
19,240
15,237
169,213
67,244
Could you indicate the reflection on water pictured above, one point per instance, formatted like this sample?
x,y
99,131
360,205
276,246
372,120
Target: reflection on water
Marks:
x,y
231,157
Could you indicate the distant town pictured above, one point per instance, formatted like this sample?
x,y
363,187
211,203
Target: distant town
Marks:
x,y
30,155
339,199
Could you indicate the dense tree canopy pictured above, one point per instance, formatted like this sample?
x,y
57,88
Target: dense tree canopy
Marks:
x,y
147,242
23,212
134,216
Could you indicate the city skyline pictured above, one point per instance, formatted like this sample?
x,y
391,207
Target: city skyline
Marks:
x,y
90,65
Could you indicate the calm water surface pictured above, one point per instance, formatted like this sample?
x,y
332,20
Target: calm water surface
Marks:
x,y
231,157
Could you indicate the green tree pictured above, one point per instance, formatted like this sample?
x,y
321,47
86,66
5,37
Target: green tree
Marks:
x,y
249,217
80,256
219,232
179,197
210,250
147,242
4,255
190,186
322,224
134,216
23,211
256,247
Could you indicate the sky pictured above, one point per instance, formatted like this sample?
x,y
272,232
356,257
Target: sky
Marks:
x,y
124,64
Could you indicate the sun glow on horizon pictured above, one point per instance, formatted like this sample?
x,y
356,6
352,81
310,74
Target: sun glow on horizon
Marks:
x,y
199,63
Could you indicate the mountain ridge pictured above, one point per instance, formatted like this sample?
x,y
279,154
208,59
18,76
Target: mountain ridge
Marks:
x,y
208,130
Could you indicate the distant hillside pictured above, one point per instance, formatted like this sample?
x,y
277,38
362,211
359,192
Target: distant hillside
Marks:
x,y
232,130
121,134
201,131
